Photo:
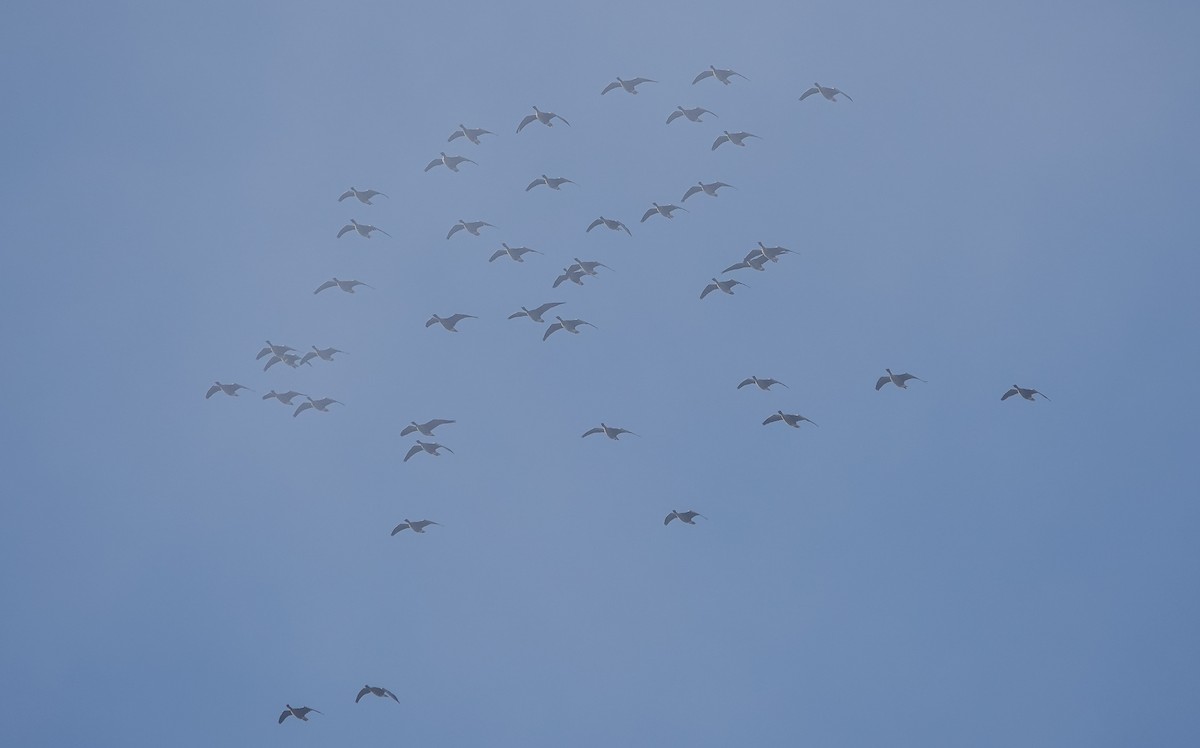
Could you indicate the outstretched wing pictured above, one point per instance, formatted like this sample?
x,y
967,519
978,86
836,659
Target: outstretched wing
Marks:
x,y
596,430
403,525
535,183
639,81
545,308
526,121
455,134
670,517
551,330
497,254
286,713
772,419
594,224
564,119
882,381
412,451
301,408
433,163
673,116
408,430
843,93
325,285
745,382
708,289
691,192
702,76
610,87
518,313
649,213
455,228
365,690
212,391
809,92
720,139
347,227
389,693
346,194
623,226
1009,394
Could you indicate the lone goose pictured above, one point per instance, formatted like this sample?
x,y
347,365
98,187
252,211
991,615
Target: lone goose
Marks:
x,y
546,118
718,73
589,266
513,252
688,518
1016,390
418,526
708,189
450,162
325,354
379,691
573,274
364,196
691,114
363,229
553,183
630,86
737,138
536,313
321,405
725,286
299,712
285,397
754,261
763,384
826,91
271,348
900,380
470,133
609,223
347,286
430,447
426,428
791,419
472,227
662,210
570,325
612,432
230,389
449,322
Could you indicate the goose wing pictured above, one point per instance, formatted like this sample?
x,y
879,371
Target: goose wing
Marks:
x,y
882,381
594,224
691,192
745,382
456,134
286,713
526,121
649,213
564,119
212,391
555,327
720,139
772,419
670,517
708,289
346,194
1009,394
674,116
403,525
610,87
412,451
433,163
702,76
596,430
497,254
301,408
455,228
347,227
535,183
809,92
639,81
366,689
408,430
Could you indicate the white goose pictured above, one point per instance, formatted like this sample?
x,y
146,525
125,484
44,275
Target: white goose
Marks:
x,y
228,389
363,196
426,428
570,325
709,189
450,162
470,133
725,286
662,210
791,419
720,74
553,183
345,285
692,114
449,322
900,380
363,229
546,118
418,526
514,252
321,405
536,313
609,223
827,91
630,86
427,447
737,138
471,227
688,517
1016,390
612,432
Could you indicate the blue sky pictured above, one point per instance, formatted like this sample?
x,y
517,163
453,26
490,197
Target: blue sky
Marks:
x,y
1009,198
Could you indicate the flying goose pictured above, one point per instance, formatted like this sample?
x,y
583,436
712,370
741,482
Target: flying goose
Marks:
x,y
630,86
470,133
450,162
472,227
379,691
346,285
291,359
692,114
232,389
1016,390
725,286
900,380
536,313
325,354
737,138
826,91
754,261
546,118
720,74
612,432
285,397
430,447
364,196
763,384
449,322
708,189
771,253
791,419
426,428
321,405
688,518
662,210
418,526
271,348
588,266
513,252
570,325
553,183
363,229
573,274
609,223
299,712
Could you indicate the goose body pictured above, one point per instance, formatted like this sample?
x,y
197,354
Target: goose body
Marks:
x,y
427,447
791,419
417,527
546,118
570,325
1028,394
737,138
900,380
299,712
449,322
536,313
471,227
450,162
470,133
721,74
630,86
363,196
379,691
828,92
709,189
612,432
724,286
228,389
426,428
363,229
609,223
693,115
345,285
514,252
688,517
662,210
321,405
762,384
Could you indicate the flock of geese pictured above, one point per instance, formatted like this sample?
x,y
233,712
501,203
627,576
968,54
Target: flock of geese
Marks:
x,y
756,259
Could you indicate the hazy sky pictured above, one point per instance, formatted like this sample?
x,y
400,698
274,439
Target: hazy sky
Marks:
x,y
1009,198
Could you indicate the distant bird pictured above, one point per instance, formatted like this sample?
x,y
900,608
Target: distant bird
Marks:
x,y
662,210
300,713
609,223
826,91
1016,390
612,432
449,322
536,313
364,196
688,517
321,405
271,348
450,162
553,183
325,354
347,286
513,252
573,274
291,359
430,447
285,398
472,227
737,138
725,286
589,266
692,114
754,261
363,229
791,419
379,691
900,380
418,526
570,325
546,118
763,384
426,428
230,389
771,253
630,86
709,189
470,133
720,74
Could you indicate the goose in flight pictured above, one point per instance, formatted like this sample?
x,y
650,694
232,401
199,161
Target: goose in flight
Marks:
x,y
426,428
291,359
771,253
418,526
546,118
737,138
232,389
630,86
321,405
449,322
588,266
470,133
345,285
720,74
692,114
754,261
791,419
688,518
430,447
609,223
725,286
363,196
536,314
570,325
513,252
472,227
573,274
612,432
363,229
271,348
826,91
299,712
709,189
325,354
900,380
450,162
1016,390
553,183
662,210
379,691
763,384
284,397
